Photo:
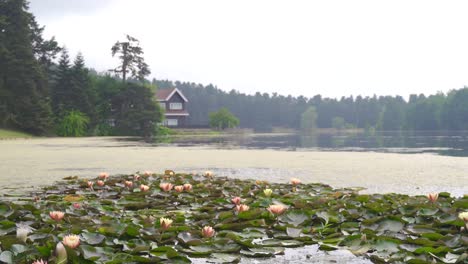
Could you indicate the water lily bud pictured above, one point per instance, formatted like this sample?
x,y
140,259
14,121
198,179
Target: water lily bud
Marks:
x,y
61,253
179,188
100,183
165,186
71,241
39,261
103,175
267,192
236,200
295,181
242,208
22,233
187,187
463,216
433,197
56,215
147,173
144,188
208,231
77,206
165,223
136,177
276,209
208,174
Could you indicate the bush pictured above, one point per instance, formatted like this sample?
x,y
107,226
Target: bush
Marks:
x,y
223,119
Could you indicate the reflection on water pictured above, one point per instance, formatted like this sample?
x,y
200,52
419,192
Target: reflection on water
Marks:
x,y
450,143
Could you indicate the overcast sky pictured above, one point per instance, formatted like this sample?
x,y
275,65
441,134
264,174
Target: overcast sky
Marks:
x,y
333,48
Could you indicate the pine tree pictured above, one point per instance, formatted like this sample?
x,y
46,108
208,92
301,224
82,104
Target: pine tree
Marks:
x,y
82,94
61,95
23,82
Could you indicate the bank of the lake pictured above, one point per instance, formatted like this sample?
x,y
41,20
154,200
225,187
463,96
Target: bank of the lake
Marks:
x,y
25,164
12,134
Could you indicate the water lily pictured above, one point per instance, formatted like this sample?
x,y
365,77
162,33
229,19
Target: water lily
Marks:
x,y
267,192
208,231
208,174
242,208
77,206
144,188
61,253
128,184
71,241
165,223
187,187
56,215
463,216
236,200
276,209
165,186
100,183
103,175
22,233
179,188
433,197
90,184
295,181
136,177
39,261
147,173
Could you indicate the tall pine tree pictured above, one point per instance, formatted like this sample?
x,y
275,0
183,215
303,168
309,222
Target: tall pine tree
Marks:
x,y
26,104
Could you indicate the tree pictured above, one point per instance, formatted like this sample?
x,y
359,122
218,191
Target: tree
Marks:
x,y
136,113
309,119
223,119
131,59
61,95
338,122
73,124
24,89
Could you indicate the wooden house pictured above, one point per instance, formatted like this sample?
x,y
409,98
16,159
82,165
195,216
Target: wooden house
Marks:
x,y
174,104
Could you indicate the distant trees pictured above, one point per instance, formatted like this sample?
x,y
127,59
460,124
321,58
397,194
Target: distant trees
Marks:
x,y
130,55
223,119
309,119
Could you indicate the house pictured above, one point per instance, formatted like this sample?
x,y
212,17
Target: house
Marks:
x,y
174,104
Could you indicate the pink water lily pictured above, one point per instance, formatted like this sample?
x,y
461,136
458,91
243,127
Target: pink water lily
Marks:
x,y
77,206
236,200
136,177
295,181
128,184
147,173
103,175
208,231
165,186
90,184
165,223
39,261
276,209
100,183
433,197
144,188
56,215
187,187
71,241
242,208
179,188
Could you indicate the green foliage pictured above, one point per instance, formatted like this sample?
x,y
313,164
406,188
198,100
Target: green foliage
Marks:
x,y
309,119
164,131
131,59
223,119
73,124
6,134
338,122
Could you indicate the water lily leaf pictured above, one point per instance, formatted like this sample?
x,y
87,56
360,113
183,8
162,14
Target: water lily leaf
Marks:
x,y
432,236
462,203
387,245
7,257
293,232
428,211
188,239
17,249
222,258
294,218
390,225
73,198
432,250
96,253
93,238
258,252
5,210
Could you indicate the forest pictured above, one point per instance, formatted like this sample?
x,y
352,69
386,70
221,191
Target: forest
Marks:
x,y
265,111
43,91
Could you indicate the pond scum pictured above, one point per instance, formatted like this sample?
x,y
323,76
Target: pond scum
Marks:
x,y
173,218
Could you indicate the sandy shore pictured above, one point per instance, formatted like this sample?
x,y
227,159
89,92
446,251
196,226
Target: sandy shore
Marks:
x,y
33,162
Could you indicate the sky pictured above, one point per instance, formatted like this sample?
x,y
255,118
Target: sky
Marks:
x,y
334,48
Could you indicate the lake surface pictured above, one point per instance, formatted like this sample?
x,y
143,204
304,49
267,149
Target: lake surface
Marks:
x,y
388,167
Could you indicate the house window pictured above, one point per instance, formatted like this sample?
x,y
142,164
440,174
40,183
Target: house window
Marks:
x,y
162,105
175,106
171,122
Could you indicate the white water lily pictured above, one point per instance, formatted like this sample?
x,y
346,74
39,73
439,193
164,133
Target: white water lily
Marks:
x,y
22,233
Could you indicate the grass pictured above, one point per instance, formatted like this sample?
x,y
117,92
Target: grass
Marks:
x,y
11,134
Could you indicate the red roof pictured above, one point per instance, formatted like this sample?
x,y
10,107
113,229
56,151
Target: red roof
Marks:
x,y
163,93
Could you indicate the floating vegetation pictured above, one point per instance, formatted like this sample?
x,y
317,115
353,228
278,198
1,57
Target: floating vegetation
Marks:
x,y
173,218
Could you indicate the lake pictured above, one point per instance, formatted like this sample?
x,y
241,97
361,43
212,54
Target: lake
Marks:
x,y
415,163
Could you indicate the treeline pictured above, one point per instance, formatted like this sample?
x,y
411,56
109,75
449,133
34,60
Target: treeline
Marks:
x,y
44,98
264,111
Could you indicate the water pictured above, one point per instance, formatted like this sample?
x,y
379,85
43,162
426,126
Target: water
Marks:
x,y
27,164
450,143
